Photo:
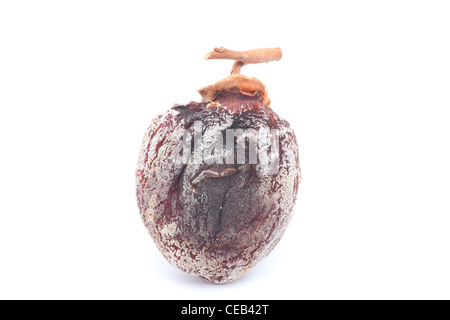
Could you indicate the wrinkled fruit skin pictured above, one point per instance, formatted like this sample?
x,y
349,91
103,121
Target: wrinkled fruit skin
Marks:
x,y
217,228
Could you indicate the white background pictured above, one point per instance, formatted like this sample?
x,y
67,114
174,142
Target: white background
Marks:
x,y
365,85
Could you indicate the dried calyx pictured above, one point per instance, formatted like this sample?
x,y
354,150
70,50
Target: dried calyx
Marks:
x,y
238,92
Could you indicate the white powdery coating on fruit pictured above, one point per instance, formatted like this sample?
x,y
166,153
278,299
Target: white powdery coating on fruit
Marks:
x,y
169,230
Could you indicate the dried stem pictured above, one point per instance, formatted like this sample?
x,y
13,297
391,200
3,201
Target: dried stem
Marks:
x,y
237,65
245,57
